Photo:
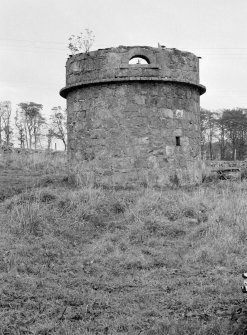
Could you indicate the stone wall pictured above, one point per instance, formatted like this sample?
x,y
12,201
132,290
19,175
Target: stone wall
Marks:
x,y
136,121
215,165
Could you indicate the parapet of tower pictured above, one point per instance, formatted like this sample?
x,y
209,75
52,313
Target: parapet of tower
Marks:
x,y
136,112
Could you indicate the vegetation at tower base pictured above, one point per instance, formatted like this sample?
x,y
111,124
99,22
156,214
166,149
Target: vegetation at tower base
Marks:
x,y
135,119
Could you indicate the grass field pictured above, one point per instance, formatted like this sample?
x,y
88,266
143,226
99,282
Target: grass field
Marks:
x,y
76,258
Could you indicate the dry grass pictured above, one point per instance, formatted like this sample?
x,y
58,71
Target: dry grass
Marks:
x,y
45,162
87,260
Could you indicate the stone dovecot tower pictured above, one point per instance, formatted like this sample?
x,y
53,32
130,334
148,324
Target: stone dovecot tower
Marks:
x,y
135,111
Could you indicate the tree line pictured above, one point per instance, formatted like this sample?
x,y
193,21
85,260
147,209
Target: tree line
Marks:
x,y
28,128
224,134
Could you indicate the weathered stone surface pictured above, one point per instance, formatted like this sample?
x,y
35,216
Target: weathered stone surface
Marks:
x,y
144,126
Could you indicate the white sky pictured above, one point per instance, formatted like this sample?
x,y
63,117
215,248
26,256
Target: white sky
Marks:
x,y
34,36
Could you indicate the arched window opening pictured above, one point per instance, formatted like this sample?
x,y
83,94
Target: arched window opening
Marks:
x,y
139,60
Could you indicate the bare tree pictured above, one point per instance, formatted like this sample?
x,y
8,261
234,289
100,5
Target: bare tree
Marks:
x,y
82,42
58,127
29,122
5,127
208,131
49,136
21,130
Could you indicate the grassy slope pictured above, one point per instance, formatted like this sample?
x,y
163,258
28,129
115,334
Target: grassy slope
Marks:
x,y
83,260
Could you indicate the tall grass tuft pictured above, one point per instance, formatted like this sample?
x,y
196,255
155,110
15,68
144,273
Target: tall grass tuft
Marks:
x,y
26,218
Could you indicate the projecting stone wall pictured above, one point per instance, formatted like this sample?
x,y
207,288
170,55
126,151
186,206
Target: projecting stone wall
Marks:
x,y
135,120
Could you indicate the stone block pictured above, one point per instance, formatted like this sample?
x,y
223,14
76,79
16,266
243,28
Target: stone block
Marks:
x,y
143,140
140,99
169,150
178,132
179,113
76,66
166,112
77,106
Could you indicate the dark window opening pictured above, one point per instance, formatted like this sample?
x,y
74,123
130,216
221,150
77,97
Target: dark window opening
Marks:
x,y
136,60
178,144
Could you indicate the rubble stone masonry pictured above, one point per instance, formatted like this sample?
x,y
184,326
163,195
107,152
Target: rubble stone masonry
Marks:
x,y
138,122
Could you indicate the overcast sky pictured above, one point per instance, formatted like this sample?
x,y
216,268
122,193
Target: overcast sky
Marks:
x,y
34,37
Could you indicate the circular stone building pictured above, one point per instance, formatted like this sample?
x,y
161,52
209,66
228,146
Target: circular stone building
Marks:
x,y
135,112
